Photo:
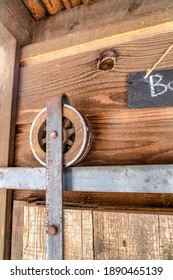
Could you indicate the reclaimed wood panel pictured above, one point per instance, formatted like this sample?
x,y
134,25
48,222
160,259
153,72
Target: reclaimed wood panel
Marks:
x,y
17,230
102,234
16,18
166,235
77,233
9,58
120,135
127,236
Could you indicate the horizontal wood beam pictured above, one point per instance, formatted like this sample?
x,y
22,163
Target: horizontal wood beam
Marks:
x,y
101,19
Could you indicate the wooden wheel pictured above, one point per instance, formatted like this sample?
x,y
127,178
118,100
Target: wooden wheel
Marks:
x,y
76,136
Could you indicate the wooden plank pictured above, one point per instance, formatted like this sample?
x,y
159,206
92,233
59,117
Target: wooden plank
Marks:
x,y
166,236
100,19
17,230
77,233
117,201
9,55
120,135
34,233
117,235
132,236
16,18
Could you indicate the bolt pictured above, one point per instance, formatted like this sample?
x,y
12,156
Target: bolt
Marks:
x,y
52,230
53,134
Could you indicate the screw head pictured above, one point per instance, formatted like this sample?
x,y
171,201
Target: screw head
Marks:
x,y
52,230
53,134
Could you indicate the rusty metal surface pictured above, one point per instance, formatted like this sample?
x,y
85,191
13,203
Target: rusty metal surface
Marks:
x,y
54,180
39,9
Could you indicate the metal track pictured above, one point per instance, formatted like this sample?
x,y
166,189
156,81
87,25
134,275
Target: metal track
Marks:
x,y
135,179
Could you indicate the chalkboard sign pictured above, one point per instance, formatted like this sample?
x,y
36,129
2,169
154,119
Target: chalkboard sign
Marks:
x,y
155,91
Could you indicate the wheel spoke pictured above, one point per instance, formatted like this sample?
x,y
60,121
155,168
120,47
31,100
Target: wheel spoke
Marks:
x,y
66,123
70,132
69,142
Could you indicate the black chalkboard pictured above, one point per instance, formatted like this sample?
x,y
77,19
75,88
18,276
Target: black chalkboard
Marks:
x,y
155,91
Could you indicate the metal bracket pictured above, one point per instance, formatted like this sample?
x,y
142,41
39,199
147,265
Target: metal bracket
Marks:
x,y
54,180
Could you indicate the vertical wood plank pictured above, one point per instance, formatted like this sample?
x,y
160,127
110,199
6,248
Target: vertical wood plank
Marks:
x,y
78,234
9,57
17,230
126,236
166,236
78,228
34,233
105,235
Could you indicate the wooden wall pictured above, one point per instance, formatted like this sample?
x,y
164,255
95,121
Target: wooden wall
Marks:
x,y
120,136
94,233
59,61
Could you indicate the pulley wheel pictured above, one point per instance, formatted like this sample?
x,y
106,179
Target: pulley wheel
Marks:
x,y
76,136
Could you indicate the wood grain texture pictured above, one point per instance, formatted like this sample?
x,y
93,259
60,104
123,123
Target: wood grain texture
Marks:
x,y
9,58
132,236
16,18
120,136
77,233
166,237
34,233
117,201
17,230
102,19
99,234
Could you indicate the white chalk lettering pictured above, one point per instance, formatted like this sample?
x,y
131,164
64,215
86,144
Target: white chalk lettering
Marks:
x,y
155,82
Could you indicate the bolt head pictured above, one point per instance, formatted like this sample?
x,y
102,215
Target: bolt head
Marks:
x,y
53,134
52,230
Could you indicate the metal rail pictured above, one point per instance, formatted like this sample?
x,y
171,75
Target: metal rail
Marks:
x,y
135,179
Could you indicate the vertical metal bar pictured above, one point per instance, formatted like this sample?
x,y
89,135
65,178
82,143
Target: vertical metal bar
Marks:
x,y
54,193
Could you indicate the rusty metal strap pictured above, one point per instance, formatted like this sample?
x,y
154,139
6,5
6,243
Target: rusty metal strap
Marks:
x,y
54,180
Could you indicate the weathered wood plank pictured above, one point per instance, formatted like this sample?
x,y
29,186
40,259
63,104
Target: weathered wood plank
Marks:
x,y
77,233
117,201
17,230
9,57
15,17
121,136
101,19
132,236
116,235
34,233
166,236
